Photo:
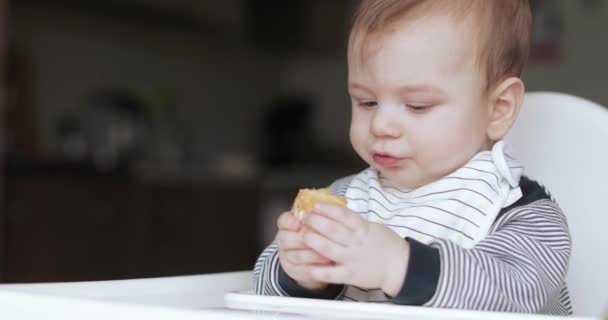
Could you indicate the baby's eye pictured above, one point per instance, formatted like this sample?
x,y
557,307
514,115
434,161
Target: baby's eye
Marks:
x,y
419,107
368,104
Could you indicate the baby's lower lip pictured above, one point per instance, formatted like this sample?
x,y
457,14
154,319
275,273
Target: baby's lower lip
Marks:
x,y
386,160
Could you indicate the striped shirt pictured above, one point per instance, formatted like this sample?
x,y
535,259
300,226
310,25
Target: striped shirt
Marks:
x,y
518,266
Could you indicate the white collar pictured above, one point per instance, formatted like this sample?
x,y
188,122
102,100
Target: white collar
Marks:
x,y
467,200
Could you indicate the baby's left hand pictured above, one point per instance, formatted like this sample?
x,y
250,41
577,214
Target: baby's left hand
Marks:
x,y
366,254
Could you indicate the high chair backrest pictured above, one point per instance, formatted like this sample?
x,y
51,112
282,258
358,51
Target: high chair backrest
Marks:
x,y
562,140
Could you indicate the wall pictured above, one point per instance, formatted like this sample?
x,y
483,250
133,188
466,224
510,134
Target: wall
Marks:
x,y
584,67
73,53
325,79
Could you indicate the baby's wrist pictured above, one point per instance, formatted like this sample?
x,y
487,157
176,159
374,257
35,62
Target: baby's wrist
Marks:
x,y
312,285
396,270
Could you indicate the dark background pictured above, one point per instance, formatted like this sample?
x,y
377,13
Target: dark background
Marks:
x,y
146,138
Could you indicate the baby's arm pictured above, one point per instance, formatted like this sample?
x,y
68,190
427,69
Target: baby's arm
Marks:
x,y
265,273
271,280
290,264
519,267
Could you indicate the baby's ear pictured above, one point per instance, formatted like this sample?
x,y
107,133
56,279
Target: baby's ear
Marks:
x,y
505,101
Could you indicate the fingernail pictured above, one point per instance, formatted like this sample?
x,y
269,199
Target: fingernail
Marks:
x,y
318,206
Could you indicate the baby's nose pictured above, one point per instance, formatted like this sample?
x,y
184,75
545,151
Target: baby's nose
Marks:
x,y
385,124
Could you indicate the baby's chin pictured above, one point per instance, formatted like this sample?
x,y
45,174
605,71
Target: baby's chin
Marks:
x,y
404,180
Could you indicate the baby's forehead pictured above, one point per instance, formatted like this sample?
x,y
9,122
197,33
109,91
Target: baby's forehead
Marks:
x,y
438,41
494,35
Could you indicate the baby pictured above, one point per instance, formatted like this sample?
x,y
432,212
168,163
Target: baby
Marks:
x,y
443,217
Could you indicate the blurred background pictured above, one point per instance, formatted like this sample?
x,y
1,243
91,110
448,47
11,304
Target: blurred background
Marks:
x,y
145,138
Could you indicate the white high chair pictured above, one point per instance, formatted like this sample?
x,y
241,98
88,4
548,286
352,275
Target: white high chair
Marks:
x,y
562,140
186,292
183,298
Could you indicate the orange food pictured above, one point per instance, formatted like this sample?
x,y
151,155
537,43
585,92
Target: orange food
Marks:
x,y
307,198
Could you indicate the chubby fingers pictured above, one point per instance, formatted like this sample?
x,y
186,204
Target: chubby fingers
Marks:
x,y
325,247
303,257
330,229
288,240
343,215
287,221
336,274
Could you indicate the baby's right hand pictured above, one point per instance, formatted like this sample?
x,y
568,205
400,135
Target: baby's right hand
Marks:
x,y
295,257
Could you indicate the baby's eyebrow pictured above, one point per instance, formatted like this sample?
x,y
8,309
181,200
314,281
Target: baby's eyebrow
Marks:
x,y
407,89
356,86
421,88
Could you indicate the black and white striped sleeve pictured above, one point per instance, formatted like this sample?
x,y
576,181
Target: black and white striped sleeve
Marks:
x,y
266,273
270,280
519,267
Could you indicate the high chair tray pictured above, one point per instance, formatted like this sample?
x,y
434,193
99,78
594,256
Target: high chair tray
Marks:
x,y
247,300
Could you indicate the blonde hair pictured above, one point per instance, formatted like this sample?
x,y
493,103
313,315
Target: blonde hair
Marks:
x,y
504,28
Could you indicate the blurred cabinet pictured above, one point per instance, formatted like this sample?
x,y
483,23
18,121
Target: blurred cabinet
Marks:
x,y
85,228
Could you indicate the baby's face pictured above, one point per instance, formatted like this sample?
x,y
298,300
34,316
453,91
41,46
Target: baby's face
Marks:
x,y
418,108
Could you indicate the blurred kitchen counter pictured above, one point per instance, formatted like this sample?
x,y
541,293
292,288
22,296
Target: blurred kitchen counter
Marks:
x,y
67,223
